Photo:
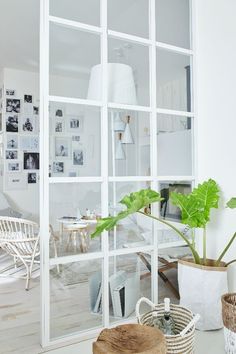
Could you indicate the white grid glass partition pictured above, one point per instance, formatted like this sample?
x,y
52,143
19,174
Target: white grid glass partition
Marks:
x,y
116,116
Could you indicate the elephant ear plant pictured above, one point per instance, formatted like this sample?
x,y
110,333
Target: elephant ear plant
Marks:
x,y
195,210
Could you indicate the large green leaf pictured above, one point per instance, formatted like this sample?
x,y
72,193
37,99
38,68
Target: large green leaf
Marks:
x,y
231,203
133,202
196,206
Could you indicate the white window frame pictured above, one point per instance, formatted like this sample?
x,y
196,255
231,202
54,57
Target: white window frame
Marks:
x,y
104,179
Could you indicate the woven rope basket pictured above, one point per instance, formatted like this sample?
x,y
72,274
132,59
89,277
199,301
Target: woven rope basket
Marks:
x,y
229,319
182,343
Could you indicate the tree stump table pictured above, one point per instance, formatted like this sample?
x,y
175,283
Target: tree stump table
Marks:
x,y
130,338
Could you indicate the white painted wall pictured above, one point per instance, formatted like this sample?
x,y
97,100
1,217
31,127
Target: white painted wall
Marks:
x,y
216,99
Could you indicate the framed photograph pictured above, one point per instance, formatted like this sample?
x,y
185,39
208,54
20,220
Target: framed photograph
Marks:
x,y
12,123
36,110
59,126
32,177
28,99
58,167
76,138
29,125
75,123
31,161
16,181
59,112
29,143
62,147
11,154
14,166
12,141
10,92
78,157
12,105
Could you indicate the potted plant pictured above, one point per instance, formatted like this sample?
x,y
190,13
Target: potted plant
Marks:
x,y
202,281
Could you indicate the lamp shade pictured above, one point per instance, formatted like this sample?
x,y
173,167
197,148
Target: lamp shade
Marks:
x,y
127,137
119,154
121,86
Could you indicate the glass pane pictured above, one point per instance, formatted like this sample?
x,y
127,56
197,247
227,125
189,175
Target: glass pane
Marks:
x,y
128,72
174,145
75,298
75,140
173,22
167,209
70,64
129,16
74,210
77,10
173,81
129,143
129,280
135,230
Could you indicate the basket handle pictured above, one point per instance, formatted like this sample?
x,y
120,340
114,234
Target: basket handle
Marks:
x,y
190,325
143,299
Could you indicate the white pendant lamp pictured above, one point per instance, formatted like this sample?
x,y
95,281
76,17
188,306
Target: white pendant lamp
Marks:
x,y
120,85
127,137
120,154
119,124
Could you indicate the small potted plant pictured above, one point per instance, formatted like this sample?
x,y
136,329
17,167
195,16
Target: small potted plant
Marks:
x,y
202,281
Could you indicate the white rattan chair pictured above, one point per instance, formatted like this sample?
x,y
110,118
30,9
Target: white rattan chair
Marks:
x,y
20,239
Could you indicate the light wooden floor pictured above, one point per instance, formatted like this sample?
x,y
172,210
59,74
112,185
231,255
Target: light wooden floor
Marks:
x,y
20,312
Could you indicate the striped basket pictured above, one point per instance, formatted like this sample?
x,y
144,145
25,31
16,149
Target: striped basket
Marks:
x,y
229,319
182,343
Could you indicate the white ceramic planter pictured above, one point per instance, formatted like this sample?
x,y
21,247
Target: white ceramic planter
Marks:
x,y
201,288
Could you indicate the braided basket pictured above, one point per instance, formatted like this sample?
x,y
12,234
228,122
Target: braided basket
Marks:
x,y
229,319
182,343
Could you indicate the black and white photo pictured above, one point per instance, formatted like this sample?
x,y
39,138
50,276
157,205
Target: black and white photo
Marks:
x,y
58,167
62,147
36,110
75,123
28,125
32,177
59,126
10,92
76,138
12,123
31,161
12,141
11,154
59,112
12,105
13,166
28,98
78,157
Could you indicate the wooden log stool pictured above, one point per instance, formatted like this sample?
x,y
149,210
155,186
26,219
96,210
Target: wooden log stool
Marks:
x,y
130,338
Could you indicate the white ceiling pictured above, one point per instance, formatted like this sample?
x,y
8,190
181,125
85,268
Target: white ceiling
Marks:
x,y
19,34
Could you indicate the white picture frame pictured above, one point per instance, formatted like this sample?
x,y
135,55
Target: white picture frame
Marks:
x,y
62,147
75,124
58,167
11,154
14,166
12,141
29,124
59,126
10,92
31,161
29,143
78,156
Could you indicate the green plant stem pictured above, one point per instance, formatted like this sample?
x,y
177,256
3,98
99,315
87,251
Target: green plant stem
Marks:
x,y
194,252
204,245
233,261
193,238
226,249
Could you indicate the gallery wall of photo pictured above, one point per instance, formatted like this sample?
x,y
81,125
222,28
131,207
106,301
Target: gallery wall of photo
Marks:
x,y
20,140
